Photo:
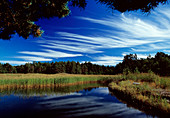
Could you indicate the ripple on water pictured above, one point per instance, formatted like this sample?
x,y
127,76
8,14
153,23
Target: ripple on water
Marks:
x,y
96,102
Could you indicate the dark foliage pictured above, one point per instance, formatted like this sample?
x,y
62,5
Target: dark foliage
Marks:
x,y
131,5
160,64
61,67
18,16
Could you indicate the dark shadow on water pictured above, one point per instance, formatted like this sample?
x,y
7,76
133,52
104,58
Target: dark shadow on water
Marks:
x,y
134,103
78,101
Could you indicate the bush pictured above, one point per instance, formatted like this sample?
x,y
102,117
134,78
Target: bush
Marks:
x,y
146,77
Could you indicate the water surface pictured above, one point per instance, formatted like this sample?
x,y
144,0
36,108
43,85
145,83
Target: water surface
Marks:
x,y
90,101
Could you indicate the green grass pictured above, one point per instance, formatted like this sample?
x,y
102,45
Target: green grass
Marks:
x,y
147,95
45,90
146,77
160,82
44,79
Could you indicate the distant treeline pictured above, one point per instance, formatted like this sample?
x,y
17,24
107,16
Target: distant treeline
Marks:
x,y
160,64
57,67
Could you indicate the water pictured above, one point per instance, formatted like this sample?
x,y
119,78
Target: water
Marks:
x,y
90,103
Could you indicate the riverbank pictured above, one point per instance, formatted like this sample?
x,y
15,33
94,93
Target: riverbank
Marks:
x,y
144,91
147,92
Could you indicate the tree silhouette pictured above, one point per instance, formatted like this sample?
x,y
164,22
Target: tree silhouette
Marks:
x,y
18,16
131,5
160,64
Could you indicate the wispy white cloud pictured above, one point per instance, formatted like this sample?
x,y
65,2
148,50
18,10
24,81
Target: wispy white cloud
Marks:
x,y
144,56
114,58
139,50
107,60
50,53
108,41
74,48
140,55
31,58
133,27
15,62
167,51
132,32
138,35
153,32
152,47
111,63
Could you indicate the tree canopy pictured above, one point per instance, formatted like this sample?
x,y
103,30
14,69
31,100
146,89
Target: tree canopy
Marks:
x,y
160,64
131,5
18,16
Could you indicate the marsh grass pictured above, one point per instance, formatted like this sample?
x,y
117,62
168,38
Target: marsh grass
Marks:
x,y
63,78
146,77
47,90
45,79
160,82
163,82
49,76
152,94
143,93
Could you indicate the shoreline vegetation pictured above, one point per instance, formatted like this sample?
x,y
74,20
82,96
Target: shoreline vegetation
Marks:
x,y
49,90
146,91
62,79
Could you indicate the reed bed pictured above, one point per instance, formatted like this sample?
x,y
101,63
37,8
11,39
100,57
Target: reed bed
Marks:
x,y
47,79
47,90
43,76
152,91
160,82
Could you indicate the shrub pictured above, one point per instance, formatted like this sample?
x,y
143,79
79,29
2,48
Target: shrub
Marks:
x,y
146,77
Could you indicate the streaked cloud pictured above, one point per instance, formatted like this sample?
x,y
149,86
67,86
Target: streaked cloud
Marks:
x,y
107,60
167,51
144,56
141,34
133,27
31,58
152,47
50,53
109,41
70,46
15,62
125,33
140,55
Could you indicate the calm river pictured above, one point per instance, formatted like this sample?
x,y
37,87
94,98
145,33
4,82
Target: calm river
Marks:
x,y
90,101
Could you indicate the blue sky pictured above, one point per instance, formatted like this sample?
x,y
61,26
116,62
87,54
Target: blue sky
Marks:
x,y
96,34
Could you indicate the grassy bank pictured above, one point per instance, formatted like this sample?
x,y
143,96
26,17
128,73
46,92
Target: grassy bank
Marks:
x,y
149,92
45,79
146,91
47,90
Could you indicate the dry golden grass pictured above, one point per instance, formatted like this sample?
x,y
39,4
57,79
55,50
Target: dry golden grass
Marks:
x,y
145,92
